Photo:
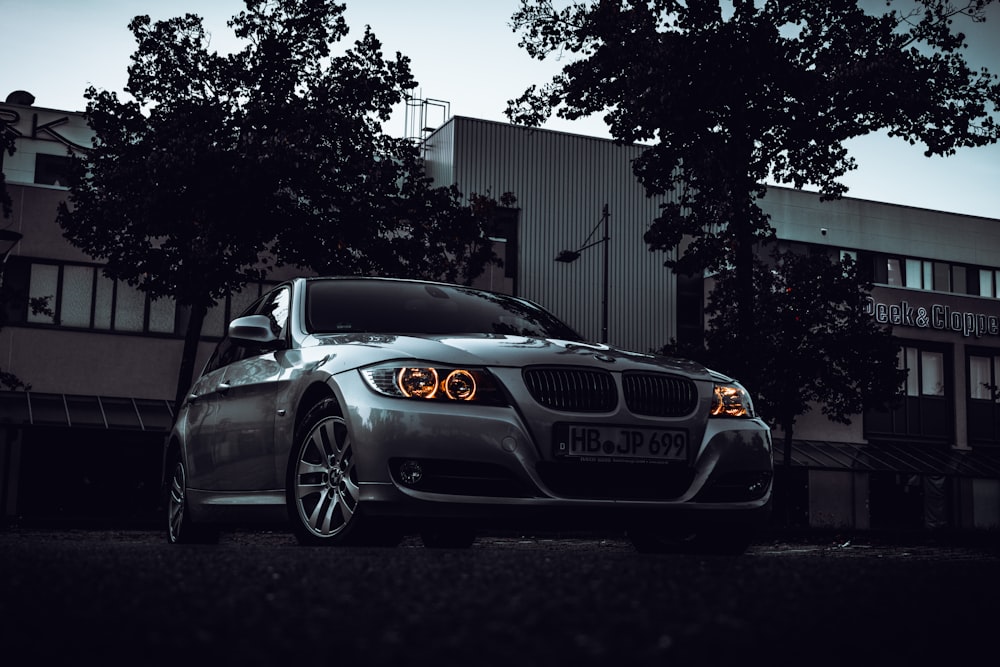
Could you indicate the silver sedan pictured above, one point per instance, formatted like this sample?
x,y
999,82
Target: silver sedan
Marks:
x,y
361,410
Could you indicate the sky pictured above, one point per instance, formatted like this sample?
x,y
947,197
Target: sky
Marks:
x,y
463,53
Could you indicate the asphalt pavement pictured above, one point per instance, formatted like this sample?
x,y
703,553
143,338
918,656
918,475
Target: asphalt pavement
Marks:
x,y
126,597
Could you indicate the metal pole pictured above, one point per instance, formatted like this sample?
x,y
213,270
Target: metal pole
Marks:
x,y
604,298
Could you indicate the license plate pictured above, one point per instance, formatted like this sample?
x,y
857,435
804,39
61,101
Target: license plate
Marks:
x,y
593,442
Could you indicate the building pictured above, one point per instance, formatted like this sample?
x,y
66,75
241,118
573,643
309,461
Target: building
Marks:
x,y
103,362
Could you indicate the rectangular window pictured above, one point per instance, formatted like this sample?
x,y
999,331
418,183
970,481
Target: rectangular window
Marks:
x,y
130,308
104,297
914,275
942,276
77,296
986,283
931,373
43,284
894,277
958,275
908,361
53,170
162,315
981,380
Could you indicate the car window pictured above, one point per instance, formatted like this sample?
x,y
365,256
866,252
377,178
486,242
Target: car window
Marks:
x,y
275,308
227,352
376,306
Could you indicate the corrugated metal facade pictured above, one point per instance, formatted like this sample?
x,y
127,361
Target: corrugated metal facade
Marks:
x,y
562,182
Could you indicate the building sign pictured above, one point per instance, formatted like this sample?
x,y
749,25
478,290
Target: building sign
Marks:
x,y
970,317
44,125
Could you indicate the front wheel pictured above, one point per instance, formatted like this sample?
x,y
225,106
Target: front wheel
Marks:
x,y
322,490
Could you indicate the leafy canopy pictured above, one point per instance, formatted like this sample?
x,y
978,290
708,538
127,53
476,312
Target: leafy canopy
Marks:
x,y
219,166
732,94
215,168
817,345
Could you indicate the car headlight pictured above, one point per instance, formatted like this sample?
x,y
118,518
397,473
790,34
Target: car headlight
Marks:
x,y
434,383
731,400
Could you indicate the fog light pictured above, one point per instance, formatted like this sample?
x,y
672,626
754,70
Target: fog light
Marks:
x,y
759,485
411,472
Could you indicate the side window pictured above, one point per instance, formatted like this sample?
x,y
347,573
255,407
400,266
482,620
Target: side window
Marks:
x,y
226,352
275,307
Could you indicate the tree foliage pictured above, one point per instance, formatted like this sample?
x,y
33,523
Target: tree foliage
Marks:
x,y
217,167
816,345
8,145
730,95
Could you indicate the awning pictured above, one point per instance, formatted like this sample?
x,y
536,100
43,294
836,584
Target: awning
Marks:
x,y
915,458
111,412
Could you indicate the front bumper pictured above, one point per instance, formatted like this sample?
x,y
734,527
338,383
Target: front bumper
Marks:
x,y
496,465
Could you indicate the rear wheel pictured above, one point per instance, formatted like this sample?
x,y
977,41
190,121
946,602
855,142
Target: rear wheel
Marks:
x,y
322,490
180,527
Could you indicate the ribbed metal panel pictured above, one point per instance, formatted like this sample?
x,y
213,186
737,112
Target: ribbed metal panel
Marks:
x,y
572,389
659,395
562,182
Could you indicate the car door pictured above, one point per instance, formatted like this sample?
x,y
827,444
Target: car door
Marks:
x,y
201,414
243,449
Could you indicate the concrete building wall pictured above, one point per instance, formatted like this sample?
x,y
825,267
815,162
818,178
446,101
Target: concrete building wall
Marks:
x,y
562,182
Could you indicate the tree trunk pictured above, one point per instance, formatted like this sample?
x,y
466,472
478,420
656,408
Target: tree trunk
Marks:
x,y
190,353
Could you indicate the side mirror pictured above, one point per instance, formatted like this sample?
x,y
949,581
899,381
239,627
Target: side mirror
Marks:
x,y
253,331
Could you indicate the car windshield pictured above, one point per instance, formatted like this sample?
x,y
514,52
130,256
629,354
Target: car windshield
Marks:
x,y
384,306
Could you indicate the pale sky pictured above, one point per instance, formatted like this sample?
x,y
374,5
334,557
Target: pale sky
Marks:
x,y
463,52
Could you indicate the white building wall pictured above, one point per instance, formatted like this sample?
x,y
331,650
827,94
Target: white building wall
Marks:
x,y
562,182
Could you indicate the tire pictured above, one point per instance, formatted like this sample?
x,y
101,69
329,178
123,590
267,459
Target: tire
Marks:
x,y
322,491
180,528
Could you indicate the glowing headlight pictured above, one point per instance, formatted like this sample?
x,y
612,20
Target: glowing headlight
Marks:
x,y
436,383
417,382
731,400
460,385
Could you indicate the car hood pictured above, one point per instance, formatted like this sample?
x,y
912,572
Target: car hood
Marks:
x,y
514,351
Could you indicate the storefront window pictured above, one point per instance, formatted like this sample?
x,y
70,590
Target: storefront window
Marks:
x,y
931,373
983,406
925,411
981,383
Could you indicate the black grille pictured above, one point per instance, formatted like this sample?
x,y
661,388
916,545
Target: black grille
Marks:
x,y
659,395
572,389
617,481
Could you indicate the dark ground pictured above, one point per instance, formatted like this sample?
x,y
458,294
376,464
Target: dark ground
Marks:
x,y
125,596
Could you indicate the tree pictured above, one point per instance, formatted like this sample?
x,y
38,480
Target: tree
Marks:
x,y
8,144
816,345
730,98
222,166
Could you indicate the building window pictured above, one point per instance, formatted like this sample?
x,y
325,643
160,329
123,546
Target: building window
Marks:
x,y
983,405
82,297
54,170
924,410
988,283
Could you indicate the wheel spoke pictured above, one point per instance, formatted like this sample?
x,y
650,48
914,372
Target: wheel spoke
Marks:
x,y
303,490
307,468
176,490
176,516
314,518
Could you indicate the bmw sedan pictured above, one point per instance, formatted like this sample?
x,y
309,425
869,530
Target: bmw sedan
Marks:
x,y
363,410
